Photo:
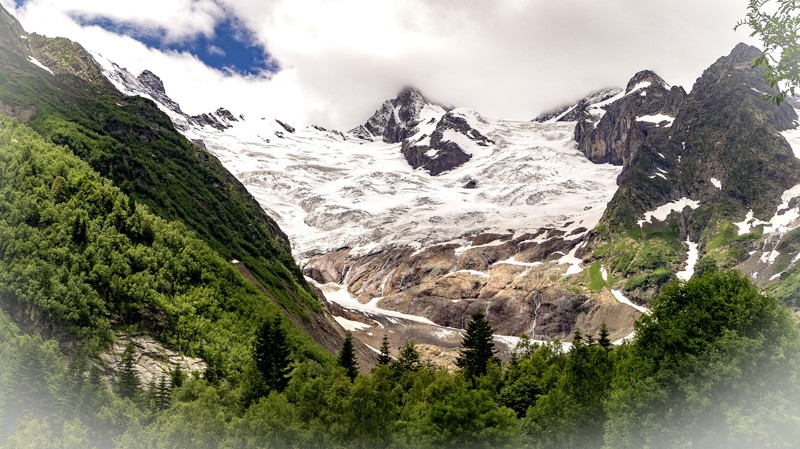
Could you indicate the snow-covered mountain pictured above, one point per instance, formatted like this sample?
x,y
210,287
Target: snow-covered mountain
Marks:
x,y
329,189
436,212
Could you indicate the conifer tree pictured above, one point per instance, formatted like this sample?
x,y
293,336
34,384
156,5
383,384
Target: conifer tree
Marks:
x,y
408,359
577,337
128,383
162,394
271,353
176,377
603,339
384,358
347,357
477,347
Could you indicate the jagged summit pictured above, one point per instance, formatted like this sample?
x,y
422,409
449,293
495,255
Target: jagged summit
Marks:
x,y
154,87
150,85
734,79
10,32
152,81
744,53
571,113
397,118
613,130
644,77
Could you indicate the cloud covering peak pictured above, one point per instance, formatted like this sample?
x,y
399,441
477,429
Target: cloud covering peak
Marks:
x,y
332,63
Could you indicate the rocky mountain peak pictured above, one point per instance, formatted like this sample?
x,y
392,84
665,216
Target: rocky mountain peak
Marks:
x,y
743,53
734,85
574,112
397,118
645,76
10,31
152,82
409,95
717,150
613,132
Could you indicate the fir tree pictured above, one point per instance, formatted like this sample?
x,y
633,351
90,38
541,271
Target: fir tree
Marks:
x,y
603,339
577,337
176,377
347,357
271,354
128,384
163,393
477,347
384,359
408,360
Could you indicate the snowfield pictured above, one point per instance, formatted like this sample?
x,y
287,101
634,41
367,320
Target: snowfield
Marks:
x,y
329,190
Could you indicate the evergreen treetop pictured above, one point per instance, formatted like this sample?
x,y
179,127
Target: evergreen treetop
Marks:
x,y
477,347
347,357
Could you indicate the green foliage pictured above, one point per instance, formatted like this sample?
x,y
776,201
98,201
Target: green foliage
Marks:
x,y
384,359
715,365
128,383
125,265
727,234
777,24
596,282
454,415
408,360
571,415
130,141
347,357
30,375
477,348
535,373
706,367
648,281
602,338
271,353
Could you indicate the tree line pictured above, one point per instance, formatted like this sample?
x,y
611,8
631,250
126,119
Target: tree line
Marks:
x,y
715,365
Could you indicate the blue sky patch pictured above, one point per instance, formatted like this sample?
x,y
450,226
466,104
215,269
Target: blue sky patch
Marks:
x,y
232,47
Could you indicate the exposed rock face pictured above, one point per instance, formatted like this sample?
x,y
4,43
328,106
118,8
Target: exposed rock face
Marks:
x,y
154,87
285,126
619,133
517,283
724,152
434,137
437,153
715,133
573,113
397,118
221,119
152,360
10,32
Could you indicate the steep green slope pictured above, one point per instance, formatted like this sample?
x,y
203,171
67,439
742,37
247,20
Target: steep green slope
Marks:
x,y
80,260
130,141
723,151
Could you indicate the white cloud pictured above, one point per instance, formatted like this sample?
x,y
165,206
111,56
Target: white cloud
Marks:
x,y
214,50
341,59
175,20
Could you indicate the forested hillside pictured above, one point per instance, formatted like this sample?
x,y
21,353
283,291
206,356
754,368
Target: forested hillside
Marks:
x,y
714,366
132,143
116,230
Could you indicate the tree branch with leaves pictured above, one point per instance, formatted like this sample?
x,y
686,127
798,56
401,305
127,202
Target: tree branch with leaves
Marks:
x,y
777,24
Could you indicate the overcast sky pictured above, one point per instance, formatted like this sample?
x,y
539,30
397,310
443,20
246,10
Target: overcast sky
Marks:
x,y
332,63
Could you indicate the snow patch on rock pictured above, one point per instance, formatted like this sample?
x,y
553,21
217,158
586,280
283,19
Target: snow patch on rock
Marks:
x,y
662,212
657,119
691,260
36,62
620,297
